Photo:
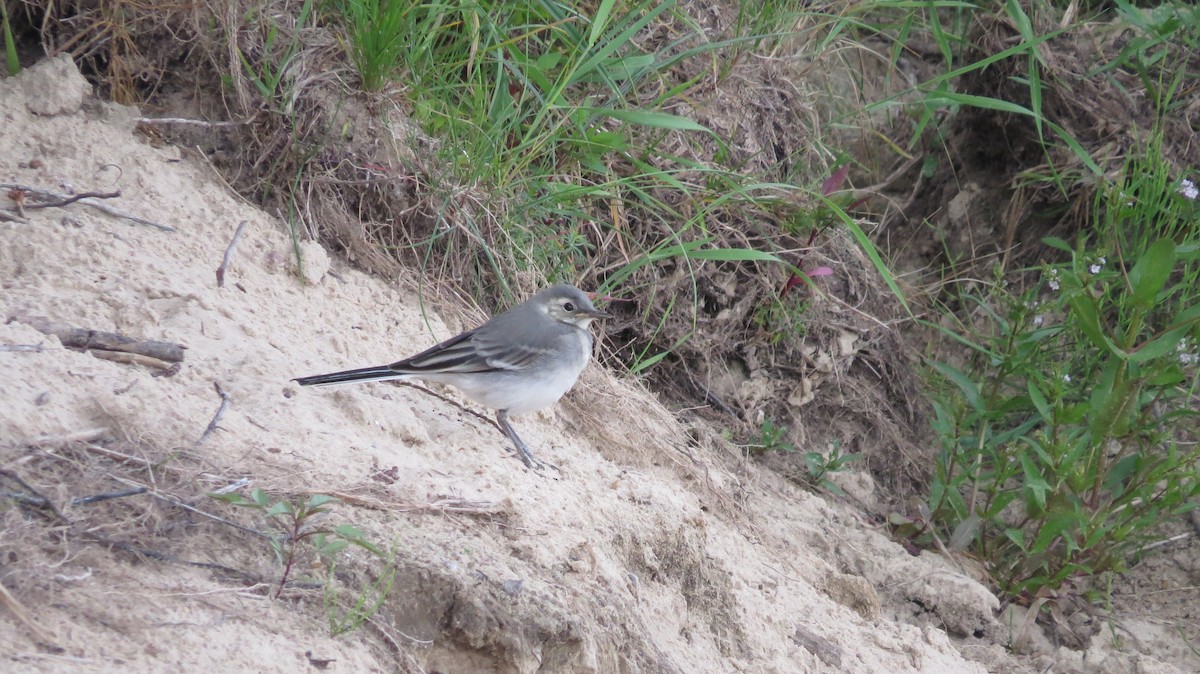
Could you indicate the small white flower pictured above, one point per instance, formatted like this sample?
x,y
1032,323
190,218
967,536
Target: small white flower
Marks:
x,y
1102,260
1095,269
1188,189
1038,320
1188,358
1066,379
1053,273
1054,284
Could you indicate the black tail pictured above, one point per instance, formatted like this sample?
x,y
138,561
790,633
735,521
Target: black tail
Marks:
x,y
348,376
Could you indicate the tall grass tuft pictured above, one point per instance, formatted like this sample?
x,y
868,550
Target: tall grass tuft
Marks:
x,y
376,31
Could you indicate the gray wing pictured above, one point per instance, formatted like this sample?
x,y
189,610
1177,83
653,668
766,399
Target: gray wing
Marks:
x,y
492,347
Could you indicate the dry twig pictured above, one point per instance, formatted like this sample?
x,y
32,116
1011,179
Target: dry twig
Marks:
x,y
97,340
114,454
178,502
87,435
237,235
212,425
442,505
18,610
88,201
35,348
184,121
72,199
41,502
137,359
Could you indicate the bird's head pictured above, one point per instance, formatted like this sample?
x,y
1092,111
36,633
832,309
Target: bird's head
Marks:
x,y
568,304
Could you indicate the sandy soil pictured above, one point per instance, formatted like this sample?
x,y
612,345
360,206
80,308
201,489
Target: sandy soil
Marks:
x,y
646,554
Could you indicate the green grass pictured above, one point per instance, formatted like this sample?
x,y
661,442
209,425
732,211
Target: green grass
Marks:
x,y
12,64
560,117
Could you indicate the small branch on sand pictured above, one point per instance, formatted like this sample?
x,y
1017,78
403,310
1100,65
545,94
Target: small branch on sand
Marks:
x,y
88,199
72,199
17,609
99,341
212,425
184,121
41,502
34,348
237,235
137,359
87,435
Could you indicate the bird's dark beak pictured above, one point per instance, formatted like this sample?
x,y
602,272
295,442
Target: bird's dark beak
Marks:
x,y
594,312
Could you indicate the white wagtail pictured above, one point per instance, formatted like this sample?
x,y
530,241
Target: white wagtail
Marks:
x,y
520,361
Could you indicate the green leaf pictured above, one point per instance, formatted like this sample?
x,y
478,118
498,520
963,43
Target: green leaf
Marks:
x,y
1035,485
656,120
349,531
260,497
317,500
734,255
608,140
1053,528
1055,242
327,548
966,532
600,22
1103,397
368,546
1151,272
1039,401
277,548
1083,306
548,61
13,64
1159,346
647,363
232,498
1016,536
963,382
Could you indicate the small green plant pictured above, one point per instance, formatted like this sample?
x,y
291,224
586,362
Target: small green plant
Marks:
x,y
819,466
1067,437
299,525
772,439
370,598
782,317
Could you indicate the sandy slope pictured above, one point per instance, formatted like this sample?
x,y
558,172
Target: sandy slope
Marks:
x,y
629,561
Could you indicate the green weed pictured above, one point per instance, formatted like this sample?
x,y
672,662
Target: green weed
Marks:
x,y
1066,438
300,526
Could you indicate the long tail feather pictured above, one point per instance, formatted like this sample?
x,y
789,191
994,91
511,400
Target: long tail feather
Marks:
x,y
349,376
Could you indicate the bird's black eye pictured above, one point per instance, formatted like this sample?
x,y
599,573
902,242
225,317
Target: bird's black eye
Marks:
x,y
569,306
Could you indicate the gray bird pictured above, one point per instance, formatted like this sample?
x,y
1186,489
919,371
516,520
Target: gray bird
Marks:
x,y
521,361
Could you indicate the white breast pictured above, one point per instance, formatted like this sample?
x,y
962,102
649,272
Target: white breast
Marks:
x,y
524,392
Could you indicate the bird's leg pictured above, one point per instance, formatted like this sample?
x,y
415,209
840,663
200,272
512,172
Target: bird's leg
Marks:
x,y
523,451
